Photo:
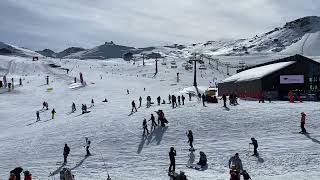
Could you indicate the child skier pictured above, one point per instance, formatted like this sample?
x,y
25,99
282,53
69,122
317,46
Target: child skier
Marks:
x,y
303,122
255,146
245,175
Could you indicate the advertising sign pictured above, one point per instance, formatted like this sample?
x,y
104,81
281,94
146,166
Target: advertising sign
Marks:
x,y
291,79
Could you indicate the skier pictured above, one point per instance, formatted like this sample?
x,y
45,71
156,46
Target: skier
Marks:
x,y
159,100
245,175
148,101
183,98
203,99
169,99
88,143
27,175
179,102
92,102
303,122
83,109
190,140
174,101
161,118
38,116
189,96
66,151
145,127
224,97
44,105
73,107
237,163
127,91
255,146
203,159
153,123
133,106
20,81
140,100
172,155
53,112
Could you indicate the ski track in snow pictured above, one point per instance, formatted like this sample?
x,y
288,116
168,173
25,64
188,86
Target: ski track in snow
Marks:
x,y
285,154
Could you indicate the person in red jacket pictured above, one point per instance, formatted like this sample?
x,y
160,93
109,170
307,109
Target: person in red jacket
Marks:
x,y
27,175
303,122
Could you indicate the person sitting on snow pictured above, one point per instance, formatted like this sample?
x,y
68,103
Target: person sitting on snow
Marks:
x,y
203,159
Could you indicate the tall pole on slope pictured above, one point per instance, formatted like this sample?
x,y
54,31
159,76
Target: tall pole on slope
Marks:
x,y
156,65
143,59
195,70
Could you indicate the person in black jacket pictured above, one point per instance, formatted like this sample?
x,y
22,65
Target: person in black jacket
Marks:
x,y
17,171
255,146
133,106
224,97
203,99
190,139
245,175
159,100
153,123
66,151
172,155
183,98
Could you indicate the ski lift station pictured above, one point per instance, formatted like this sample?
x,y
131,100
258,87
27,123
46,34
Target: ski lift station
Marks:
x,y
275,79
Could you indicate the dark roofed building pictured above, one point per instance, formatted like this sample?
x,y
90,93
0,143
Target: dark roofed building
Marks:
x,y
275,79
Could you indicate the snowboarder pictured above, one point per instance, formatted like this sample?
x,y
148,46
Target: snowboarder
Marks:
x,y
159,100
140,100
236,163
66,151
203,159
153,123
92,102
255,146
133,106
179,102
183,98
27,175
190,140
17,171
172,155
38,116
224,97
303,122
53,112
169,99
73,107
88,143
145,127
189,96
245,175
203,99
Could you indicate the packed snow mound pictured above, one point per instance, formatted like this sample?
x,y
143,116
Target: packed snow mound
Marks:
x,y
258,72
10,50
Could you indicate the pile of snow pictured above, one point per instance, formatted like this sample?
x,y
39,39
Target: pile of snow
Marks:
x,y
258,72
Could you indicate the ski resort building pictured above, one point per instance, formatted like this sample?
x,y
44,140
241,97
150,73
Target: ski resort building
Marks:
x,y
275,79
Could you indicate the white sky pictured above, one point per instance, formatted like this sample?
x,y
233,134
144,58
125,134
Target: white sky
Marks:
x,y
57,24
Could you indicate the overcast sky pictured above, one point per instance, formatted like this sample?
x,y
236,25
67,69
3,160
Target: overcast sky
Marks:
x,y
57,24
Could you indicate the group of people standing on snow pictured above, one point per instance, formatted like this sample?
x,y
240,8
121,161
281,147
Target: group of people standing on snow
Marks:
x,y
15,174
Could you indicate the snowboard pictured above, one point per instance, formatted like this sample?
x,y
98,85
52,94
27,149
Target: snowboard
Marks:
x,y
196,167
75,85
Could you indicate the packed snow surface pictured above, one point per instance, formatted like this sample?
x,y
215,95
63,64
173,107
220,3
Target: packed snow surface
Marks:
x,y
116,135
258,72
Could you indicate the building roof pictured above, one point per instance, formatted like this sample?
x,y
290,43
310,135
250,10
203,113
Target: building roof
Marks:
x,y
257,72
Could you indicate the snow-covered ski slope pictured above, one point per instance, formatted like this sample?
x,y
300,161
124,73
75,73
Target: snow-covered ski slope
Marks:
x,y
38,147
